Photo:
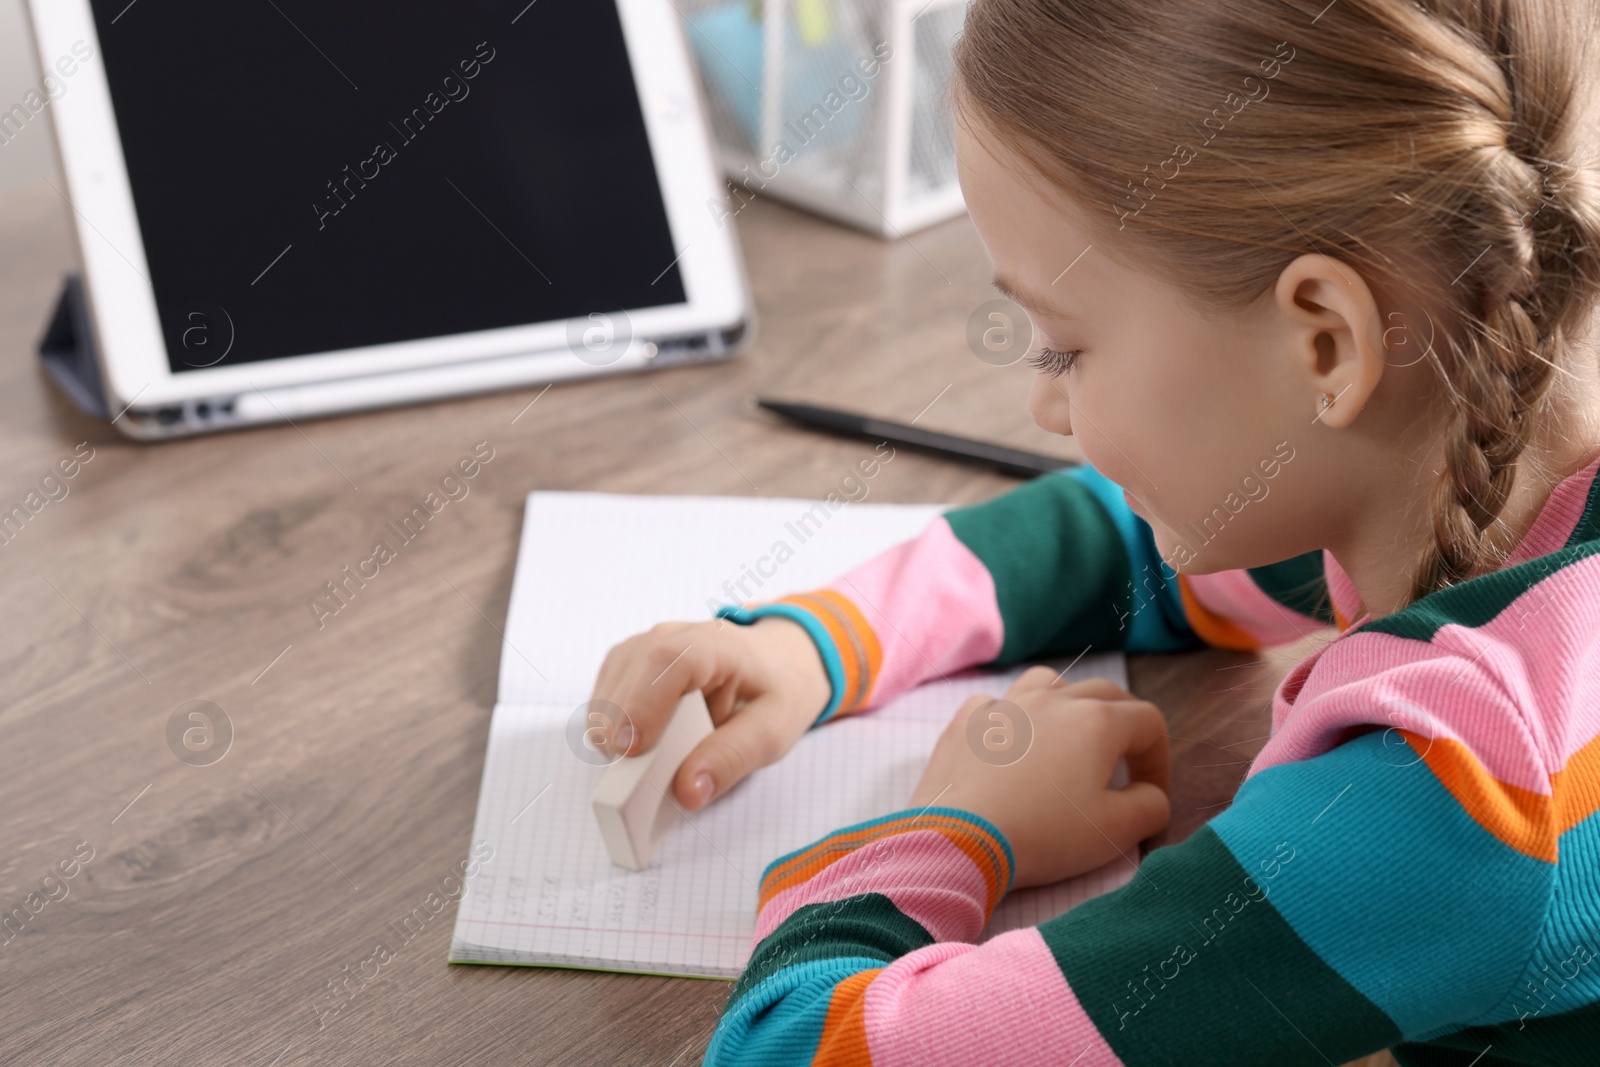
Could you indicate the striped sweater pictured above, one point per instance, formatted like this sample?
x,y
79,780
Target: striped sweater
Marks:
x,y
1412,861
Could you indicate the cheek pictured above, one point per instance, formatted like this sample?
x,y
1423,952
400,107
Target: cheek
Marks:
x,y
1124,427
1202,518
1140,417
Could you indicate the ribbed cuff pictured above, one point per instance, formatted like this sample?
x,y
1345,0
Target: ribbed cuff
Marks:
x,y
819,635
978,837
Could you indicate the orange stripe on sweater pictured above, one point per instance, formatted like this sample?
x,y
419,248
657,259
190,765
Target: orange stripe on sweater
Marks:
x,y
844,1031
1532,823
990,861
981,848
1576,787
838,630
838,845
1212,628
1521,818
871,650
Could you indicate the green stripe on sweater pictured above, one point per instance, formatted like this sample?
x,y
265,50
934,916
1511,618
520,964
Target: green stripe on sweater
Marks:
x,y
1298,583
866,924
1061,573
1565,1039
1191,957
1479,600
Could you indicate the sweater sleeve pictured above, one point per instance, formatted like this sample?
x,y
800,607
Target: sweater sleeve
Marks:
x,y
1343,903
1057,566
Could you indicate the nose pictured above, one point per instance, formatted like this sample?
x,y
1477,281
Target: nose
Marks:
x,y
1049,406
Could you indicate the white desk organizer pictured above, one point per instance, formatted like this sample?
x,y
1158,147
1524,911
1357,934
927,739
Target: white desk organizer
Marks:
x,y
837,106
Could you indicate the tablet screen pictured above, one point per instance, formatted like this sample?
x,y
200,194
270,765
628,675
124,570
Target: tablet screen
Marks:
x,y
312,176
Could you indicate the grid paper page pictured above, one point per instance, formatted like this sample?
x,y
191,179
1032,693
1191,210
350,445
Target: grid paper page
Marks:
x,y
594,568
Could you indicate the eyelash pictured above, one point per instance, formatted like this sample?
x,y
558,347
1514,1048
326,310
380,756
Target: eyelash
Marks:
x,y
1054,363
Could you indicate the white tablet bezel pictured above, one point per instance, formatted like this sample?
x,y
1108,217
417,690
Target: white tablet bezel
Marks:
x,y
132,349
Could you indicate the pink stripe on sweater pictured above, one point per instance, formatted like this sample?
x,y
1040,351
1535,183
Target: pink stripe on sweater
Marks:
x,y
1387,683
933,606
1341,590
1004,1003
952,910
1521,692
1558,518
1545,649
1235,596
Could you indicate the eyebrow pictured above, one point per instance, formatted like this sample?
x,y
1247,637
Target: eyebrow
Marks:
x,y
1012,292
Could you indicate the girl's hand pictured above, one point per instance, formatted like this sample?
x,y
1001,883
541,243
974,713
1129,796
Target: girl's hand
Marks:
x,y
764,684
1053,801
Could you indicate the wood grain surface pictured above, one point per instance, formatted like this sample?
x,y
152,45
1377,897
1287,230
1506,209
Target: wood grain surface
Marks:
x,y
222,900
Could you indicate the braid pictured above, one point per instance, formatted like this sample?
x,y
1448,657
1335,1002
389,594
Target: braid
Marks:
x,y
1502,376
1532,230
1432,145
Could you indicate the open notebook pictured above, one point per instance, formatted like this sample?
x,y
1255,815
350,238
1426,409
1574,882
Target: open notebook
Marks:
x,y
594,568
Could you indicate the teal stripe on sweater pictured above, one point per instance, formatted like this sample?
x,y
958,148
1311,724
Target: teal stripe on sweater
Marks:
x,y
1562,1040
858,926
1564,973
1190,964
1378,845
1065,578
779,1020
1158,622
831,661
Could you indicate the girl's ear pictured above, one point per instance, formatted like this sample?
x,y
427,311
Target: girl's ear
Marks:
x,y
1335,331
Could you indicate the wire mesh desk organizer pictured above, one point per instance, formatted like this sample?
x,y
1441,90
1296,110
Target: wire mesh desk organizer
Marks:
x,y
837,106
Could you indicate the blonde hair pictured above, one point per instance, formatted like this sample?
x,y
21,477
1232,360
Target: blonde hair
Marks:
x,y
1429,145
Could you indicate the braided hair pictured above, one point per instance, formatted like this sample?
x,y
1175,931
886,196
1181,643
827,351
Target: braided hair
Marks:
x,y
1430,144
1527,238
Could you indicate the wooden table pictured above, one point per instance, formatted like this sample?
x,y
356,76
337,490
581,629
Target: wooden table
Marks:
x,y
221,900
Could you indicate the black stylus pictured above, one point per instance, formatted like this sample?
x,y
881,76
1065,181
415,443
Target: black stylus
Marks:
x,y
1011,461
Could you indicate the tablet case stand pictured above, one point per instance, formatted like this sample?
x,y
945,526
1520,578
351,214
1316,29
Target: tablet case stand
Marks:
x,y
67,350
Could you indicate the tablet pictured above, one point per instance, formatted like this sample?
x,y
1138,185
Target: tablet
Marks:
x,y
289,208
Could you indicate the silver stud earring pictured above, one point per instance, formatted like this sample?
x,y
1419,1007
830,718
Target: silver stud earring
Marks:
x,y
1324,402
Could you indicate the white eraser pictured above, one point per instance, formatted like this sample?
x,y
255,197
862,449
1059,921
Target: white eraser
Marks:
x,y
632,803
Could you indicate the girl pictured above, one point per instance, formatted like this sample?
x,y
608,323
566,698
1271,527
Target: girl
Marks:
x,y
1313,282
